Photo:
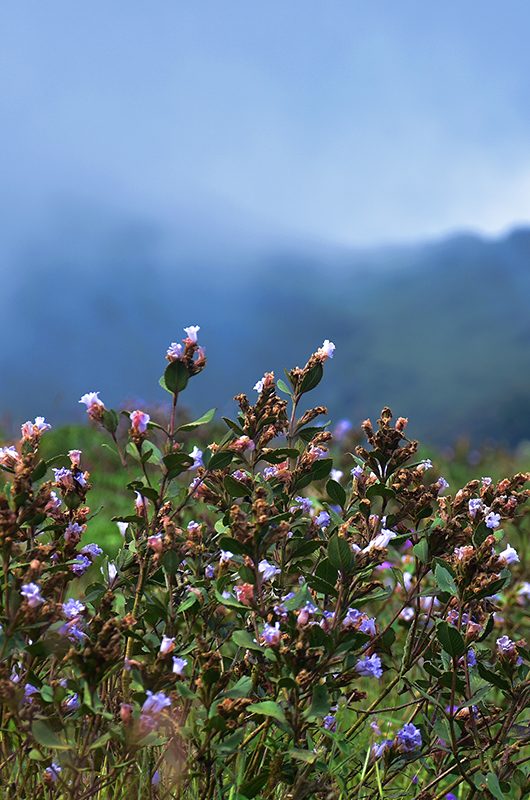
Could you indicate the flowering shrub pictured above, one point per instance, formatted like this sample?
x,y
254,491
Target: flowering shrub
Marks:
x,y
275,624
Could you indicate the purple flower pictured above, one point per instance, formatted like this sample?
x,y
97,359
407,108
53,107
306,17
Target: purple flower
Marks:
x,y
267,570
196,454
323,519
139,421
73,608
425,464
210,571
380,749
225,556
80,565
474,506
330,722
493,520
451,796
72,703
442,484
73,532
178,665
408,738
303,503
271,634
155,703
174,351
53,771
369,666
30,690
31,594
92,550
357,472
72,631
342,428
509,556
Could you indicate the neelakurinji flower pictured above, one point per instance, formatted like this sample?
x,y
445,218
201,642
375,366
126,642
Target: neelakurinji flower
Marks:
x,y
139,421
474,506
9,456
31,594
80,565
167,645
73,608
267,570
323,519
191,332
94,406
369,666
155,703
492,520
196,454
327,349
381,541
175,352
31,429
178,665
271,634
408,738
509,555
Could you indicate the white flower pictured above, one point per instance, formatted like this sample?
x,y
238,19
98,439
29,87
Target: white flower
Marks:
x,y
191,332
380,541
336,474
268,570
122,527
327,350
509,556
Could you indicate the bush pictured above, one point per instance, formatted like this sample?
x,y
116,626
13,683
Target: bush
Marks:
x,y
275,628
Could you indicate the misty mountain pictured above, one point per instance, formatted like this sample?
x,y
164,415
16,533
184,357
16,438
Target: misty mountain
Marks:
x,y
439,331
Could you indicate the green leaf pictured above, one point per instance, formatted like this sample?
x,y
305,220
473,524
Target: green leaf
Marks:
x,y
311,379
340,554
319,702
246,640
220,460
175,378
187,603
421,550
242,688
268,709
450,639
282,386
307,756
45,736
110,420
201,421
236,488
175,463
336,493
492,782
492,677
445,580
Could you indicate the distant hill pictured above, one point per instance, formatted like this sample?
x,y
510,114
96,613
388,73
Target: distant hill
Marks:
x,y
439,331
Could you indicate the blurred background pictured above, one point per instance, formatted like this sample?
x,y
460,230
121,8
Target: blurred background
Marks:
x,y
277,173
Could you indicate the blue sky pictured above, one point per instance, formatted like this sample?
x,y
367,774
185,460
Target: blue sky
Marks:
x,y
346,122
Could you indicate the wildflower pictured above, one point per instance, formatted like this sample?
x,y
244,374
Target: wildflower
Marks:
x,y
122,527
193,526
140,504
442,484
244,593
73,533
80,565
381,541
523,593
336,474
380,749
271,634
196,454
425,464
225,557
303,503
178,665
209,571
175,352
408,738
92,550
155,703
267,570
29,691
31,429
155,542
72,631
323,519
112,572
327,350
31,594
139,421
357,472
243,443
71,703
73,608
9,456
464,552
94,406
486,482
259,385
330,722
75,457
492,520
191,332
52,772
64,478
369,666
509,556
167,645
155,780
270,472
451,796
474,506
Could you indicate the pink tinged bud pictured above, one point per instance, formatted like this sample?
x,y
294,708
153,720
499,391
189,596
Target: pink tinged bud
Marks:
x,y
75,457
191,332
244,443
139,421
126,711
92,402
156,543
140,504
